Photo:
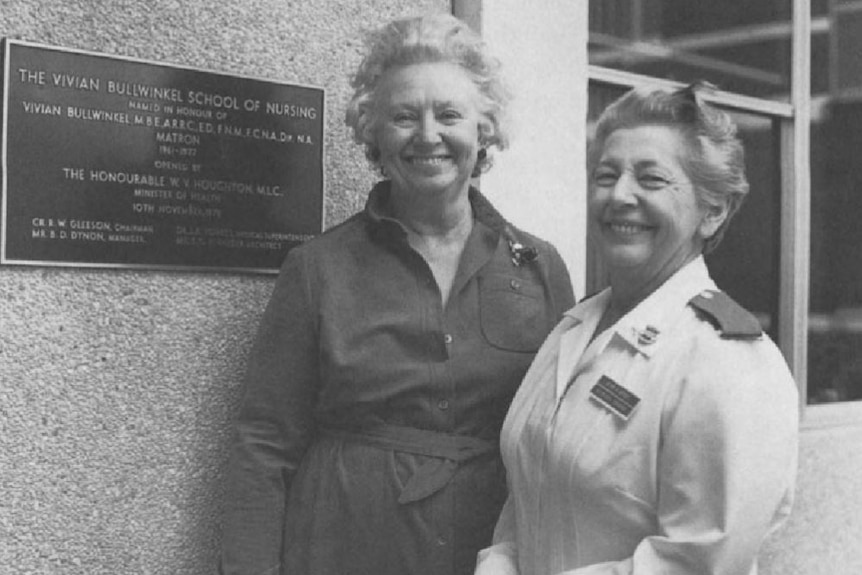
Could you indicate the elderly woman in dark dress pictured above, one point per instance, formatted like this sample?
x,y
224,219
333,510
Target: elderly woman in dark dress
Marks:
x,y
367,441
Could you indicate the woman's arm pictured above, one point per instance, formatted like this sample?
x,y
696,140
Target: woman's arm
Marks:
x,y
501,558
274,427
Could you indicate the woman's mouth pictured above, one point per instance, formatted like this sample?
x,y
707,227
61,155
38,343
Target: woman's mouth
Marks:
x,y
626,228
427,160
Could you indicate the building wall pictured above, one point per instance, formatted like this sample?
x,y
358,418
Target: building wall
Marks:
x,y
541,182
116,386
823,534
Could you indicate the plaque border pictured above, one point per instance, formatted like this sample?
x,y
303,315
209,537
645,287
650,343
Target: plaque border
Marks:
x,y
5,49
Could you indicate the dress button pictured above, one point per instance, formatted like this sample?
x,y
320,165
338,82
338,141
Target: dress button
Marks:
x,y
447,338
441,541
515,285
443,404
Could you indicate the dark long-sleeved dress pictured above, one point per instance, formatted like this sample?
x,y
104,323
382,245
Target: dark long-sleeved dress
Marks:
x,y
367,441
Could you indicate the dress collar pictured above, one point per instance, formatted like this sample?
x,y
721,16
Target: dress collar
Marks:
x,y
379,211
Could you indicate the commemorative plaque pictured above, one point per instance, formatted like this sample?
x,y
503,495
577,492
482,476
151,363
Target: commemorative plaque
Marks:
x,y
115,162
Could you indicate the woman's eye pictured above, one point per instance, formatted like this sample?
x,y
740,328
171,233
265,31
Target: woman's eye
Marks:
x,y
403,118
653,181
449,115
605,178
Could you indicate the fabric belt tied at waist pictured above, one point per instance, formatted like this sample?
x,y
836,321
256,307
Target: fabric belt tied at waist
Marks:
x,y
431,477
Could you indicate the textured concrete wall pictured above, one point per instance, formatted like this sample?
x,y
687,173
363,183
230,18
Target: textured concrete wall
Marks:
x,y
824,534
117,386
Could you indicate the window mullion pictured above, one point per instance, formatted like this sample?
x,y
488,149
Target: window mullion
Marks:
x,y
796,204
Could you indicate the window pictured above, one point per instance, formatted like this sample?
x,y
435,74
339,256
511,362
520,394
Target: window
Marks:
x,y
757,53
743,47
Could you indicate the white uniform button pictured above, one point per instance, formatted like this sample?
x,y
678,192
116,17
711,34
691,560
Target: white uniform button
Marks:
x,y
447,338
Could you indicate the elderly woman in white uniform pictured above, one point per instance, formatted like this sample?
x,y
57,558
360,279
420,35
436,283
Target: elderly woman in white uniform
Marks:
x,y
656,430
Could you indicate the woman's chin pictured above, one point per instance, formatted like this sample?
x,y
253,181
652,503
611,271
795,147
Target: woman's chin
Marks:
x,y
434,182
623,257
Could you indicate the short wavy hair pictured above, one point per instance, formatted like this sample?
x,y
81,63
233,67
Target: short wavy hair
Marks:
x,y
430,39
715,159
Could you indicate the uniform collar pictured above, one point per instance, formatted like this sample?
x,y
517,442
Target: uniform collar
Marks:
x,y
591,307
646,326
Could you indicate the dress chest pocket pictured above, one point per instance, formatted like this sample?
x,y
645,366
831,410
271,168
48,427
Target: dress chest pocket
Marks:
x,y
512,312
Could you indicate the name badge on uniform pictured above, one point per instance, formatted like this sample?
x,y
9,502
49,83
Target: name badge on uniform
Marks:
x,y
614,397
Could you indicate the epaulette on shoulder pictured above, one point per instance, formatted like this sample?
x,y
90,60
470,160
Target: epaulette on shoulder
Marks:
x,y
730,318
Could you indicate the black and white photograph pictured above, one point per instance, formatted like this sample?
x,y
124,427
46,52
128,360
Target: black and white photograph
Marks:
x,y
430,287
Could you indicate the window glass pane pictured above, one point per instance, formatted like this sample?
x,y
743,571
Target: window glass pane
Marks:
x,y
835,318
835,313
819,7
739,45
745,264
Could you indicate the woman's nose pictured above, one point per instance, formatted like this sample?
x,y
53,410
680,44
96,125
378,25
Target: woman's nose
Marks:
x,y
624,191
429,130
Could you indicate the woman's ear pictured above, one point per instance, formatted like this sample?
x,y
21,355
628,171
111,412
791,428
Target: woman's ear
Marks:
x,y
368,133
713,216
486,131
367,121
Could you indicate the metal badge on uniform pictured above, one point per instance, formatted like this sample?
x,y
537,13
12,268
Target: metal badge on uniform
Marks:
x,y
648,335
614,397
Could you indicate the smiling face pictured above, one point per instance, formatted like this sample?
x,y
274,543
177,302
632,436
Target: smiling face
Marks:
x,y
644,212
427,128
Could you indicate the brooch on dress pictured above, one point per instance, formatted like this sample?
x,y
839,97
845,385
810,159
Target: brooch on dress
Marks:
x,y
522,254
